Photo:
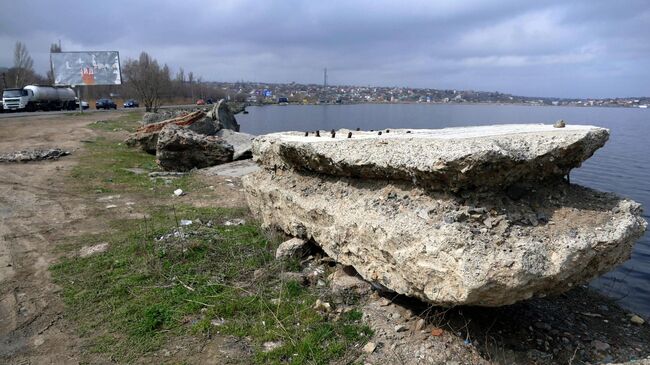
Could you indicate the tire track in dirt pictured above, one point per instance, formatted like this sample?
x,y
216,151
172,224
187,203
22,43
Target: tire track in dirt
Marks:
x,y
36,213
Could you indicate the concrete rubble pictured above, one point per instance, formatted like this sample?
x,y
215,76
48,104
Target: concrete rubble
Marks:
x,y
33,155
450,158
241,142
195,139
290,248
180,149
458,216
146,137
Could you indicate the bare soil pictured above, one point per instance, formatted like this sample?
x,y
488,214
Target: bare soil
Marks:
x,y
38,212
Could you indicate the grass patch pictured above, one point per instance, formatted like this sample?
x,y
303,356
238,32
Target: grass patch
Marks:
x,y
129,122
197,280
159,280
109,166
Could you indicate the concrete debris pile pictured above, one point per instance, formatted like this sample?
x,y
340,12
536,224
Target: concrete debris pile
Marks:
x,y
164,114
33,155
146,137
180,149
188,140
458,216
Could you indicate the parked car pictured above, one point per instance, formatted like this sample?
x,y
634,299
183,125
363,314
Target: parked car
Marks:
x,y
84,104
131,103
105,104
200,102
209,101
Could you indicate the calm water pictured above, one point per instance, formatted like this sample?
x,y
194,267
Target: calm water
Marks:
x,y
621,166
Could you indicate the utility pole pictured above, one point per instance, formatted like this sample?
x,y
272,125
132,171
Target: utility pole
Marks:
x,y
325,78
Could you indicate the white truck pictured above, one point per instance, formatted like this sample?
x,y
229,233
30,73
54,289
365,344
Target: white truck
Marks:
x,y
39,97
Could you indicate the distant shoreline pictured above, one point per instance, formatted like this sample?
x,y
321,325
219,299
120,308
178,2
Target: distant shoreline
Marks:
x,y
465,103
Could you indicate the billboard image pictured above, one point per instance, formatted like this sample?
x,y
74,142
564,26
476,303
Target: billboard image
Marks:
x,y
86,68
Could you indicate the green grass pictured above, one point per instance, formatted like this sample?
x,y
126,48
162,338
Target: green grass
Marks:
x,y
129,122
104,168
144,292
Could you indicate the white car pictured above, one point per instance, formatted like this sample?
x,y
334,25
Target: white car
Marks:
x,y
84,104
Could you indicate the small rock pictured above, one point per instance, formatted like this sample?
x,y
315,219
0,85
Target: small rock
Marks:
x,y
437,332
322,306
400,328
369,347
91,250
559,124
135,170
258,273
600,345
593,315
234,222
419,325
290,248
637,320
179,192
271,345
384,302
342,283
108,198
167,174
218,322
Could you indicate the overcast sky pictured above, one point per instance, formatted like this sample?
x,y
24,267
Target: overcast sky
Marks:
x,y
586,48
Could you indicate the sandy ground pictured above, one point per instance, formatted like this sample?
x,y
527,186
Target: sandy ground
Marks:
x,y
35,214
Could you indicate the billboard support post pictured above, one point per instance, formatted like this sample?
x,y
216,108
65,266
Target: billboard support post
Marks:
x,y
78,91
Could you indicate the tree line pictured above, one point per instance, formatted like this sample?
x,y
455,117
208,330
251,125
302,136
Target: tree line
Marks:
x,y
143,79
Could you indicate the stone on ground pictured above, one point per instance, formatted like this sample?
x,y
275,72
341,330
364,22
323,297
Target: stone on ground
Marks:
x,y
290,248
231,169
458,216
179,149
451,158
241,142
33,155
146,137
223,116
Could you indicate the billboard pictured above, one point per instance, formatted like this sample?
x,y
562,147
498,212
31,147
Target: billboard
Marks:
x,y
86,68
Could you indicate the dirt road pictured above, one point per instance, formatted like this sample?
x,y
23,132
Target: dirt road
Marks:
x,y
35,213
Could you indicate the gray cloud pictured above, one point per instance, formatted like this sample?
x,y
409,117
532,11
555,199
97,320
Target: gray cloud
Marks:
x,y
552,48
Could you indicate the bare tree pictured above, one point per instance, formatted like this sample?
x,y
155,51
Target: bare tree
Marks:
x,y
190,80
147,80
54,48
166,82
23,64
179,84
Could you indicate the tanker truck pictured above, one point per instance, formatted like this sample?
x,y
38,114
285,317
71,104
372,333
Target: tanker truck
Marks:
x,y
39,97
